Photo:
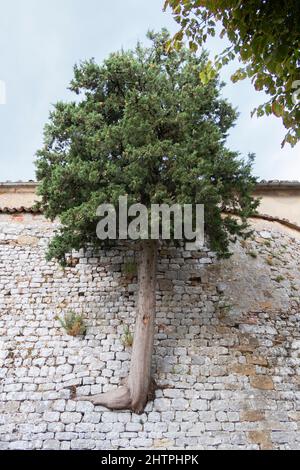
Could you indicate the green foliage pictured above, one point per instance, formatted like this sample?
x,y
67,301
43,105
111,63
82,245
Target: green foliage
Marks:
x,y
127,338
143,125
253,254
73,324
264,35
130,268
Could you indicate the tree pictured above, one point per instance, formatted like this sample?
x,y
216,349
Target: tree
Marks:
x,y
264,36
143,126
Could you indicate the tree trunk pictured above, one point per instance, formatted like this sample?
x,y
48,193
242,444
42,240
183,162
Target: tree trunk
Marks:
x,y
139,379
134,395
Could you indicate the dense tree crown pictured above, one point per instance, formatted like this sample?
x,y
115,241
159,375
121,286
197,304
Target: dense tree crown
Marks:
x,y
143,125
264,35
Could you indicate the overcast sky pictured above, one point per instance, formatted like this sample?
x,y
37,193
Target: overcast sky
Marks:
x,y
40,40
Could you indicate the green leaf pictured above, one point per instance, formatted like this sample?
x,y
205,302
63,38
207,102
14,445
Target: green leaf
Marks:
x,y
245,53
193,46
168,46
203,77
277,109
258,44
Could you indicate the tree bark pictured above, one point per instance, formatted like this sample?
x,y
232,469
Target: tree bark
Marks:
x,y
134,395
139,379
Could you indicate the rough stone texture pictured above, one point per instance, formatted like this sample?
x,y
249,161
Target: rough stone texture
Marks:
x,y
227,346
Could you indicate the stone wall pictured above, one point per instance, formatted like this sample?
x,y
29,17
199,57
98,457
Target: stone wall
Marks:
x,y
227,346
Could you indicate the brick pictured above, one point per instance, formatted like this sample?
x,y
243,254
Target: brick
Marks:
x,y
252,415
262,382
263,438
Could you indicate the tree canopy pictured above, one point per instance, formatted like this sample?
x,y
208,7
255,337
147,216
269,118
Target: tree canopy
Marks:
x,y
264,35
143,125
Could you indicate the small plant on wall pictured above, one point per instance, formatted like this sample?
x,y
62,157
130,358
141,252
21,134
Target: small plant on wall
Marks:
x,y
73,324
130,270
127,338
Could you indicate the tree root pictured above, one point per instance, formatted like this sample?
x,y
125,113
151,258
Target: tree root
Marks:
x,y
120,398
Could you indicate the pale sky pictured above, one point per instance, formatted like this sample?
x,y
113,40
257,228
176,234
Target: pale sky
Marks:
x,y
41,40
